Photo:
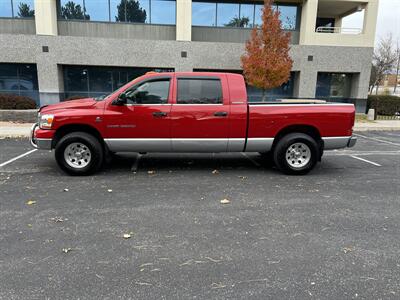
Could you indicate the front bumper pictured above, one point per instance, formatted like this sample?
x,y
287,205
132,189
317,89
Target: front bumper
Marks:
x,y
39,143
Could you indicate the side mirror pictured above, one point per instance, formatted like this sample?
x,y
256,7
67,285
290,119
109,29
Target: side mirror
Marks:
x,y
121,100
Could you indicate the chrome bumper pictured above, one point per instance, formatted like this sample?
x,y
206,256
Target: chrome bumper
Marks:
x,y
339,142
39,143
352,141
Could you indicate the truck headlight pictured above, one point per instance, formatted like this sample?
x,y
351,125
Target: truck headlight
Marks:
x,y
46,121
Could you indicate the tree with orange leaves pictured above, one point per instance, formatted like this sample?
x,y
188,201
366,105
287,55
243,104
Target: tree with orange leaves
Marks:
x,y
266,63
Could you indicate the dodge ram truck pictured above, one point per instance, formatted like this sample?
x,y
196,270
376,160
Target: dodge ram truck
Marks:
x,y
191,112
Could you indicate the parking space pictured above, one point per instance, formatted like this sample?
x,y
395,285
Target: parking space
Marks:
x,y
331,234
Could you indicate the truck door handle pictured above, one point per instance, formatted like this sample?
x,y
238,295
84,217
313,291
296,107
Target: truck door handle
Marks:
x,y
220,114
159,114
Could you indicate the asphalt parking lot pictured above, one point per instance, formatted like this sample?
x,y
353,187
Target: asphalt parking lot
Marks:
x,y
333,234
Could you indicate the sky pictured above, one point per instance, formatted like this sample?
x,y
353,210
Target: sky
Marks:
x,y
388,20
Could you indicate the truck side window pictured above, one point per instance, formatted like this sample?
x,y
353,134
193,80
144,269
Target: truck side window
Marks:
x,y
199,91
149,92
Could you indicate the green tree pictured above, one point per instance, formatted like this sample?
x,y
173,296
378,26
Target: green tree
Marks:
x,y
130,11
238,22
73,11
25,11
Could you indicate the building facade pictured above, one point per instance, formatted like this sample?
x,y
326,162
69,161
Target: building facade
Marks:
x,y
52,50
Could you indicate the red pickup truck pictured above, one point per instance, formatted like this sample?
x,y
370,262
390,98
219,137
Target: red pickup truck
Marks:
x,y
191,112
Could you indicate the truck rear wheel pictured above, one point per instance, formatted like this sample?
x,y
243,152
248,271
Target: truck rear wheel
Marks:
x,y
296,154
79,153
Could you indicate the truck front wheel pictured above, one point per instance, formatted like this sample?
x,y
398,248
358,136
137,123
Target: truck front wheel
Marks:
x,y
296,154
79,153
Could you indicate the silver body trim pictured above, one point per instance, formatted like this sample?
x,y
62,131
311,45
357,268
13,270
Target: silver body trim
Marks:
x,y
303,104
139,145
259,144
205,145
336,142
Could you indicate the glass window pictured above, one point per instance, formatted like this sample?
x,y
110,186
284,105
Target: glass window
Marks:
x,y
163,12
94,81
204,14
23,9
100,81
258,15
19,79
333,85
199,91
97,10
72,10
288,15
246,15
228,15
134,11
150,92
5,8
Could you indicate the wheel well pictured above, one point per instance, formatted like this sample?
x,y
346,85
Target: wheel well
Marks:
x,y
306,129
63,130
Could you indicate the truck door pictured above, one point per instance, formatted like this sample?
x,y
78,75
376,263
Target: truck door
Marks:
x,y
200,114
143,123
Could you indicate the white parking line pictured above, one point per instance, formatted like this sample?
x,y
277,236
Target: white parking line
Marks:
x,y
367,161
377,140
18,157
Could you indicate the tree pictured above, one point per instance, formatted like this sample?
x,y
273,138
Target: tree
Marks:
x,y
73,11
383,61
266,63
238,22
397,66
130,11
25,11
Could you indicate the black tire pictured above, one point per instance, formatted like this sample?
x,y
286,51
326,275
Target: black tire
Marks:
x,y
283,147
92,143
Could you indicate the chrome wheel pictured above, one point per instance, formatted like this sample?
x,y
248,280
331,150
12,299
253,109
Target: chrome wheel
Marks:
x,y
77,155
298,155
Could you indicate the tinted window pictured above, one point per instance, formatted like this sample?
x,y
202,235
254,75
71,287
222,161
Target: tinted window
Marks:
x,y
288,16
97,10
150,92
17,9
204,14
19,79
333,85
246,15
228,15
199,91
92,81
162,12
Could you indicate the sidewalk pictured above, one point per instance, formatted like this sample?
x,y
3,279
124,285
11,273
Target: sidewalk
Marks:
x,y
377,125
13,130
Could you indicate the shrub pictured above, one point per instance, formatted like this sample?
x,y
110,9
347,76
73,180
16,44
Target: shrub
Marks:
x,y
8,101
384,105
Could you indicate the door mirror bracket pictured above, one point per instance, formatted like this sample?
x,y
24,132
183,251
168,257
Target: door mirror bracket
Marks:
x,y
121,100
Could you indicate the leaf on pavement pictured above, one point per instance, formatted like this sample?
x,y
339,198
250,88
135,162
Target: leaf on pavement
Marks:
x,y
225,201
127,235
31,202
347,250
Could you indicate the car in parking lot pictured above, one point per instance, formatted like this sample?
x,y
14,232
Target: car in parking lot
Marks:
x,y
191,112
